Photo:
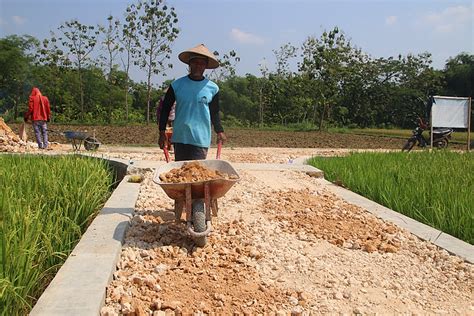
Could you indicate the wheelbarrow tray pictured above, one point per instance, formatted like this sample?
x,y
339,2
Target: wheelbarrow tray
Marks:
x,y
75,135
217,187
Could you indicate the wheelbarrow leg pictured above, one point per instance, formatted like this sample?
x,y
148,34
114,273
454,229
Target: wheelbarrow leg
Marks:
x,y
214,207
207,201
189,204
178,209
76,145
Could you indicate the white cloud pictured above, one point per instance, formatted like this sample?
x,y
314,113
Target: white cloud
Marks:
x,y
448,20
245,38
391,20
18,20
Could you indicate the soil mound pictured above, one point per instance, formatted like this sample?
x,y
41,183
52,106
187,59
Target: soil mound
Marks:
x,y
9,141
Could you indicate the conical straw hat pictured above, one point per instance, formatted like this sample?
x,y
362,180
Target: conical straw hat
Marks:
x,y
199,50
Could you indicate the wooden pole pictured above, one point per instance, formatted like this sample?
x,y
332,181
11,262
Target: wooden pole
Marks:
x,y
431,128
469,125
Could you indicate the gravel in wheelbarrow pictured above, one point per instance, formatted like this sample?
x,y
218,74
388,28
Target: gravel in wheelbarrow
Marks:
x,y
225,178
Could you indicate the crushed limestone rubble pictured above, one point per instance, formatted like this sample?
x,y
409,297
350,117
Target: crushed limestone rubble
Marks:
x,y
281,251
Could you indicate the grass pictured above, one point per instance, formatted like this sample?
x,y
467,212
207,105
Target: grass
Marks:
x,y
46,204
435,188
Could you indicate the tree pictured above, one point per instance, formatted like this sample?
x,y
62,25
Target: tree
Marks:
x,y
238,103
326,59
264,92
283,55
15,62
79,40
156,32
227,65
109,41
459,75
110,44
128,40
281,83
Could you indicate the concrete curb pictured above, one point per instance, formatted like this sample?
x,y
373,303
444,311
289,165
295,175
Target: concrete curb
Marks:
x,y
425,232
79,286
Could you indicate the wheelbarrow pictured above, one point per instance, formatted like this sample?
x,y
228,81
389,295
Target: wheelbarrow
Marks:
x,y
198,199
77,138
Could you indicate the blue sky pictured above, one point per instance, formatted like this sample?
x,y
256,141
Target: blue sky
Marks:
x,y
254,28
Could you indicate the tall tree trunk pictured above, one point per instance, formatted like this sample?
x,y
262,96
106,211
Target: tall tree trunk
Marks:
x,y
148,98
109,81
127,84
81,90
261,108
17,101
126,101
315,107
321,119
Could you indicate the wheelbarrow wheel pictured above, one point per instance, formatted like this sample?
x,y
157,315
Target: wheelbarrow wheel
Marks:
x,y
90,143
199,222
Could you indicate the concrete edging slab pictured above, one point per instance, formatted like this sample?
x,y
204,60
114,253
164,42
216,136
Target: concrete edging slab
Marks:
x,y
79,286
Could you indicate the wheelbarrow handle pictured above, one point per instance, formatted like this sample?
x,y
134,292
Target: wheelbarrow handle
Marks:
x,y
219,148
167,154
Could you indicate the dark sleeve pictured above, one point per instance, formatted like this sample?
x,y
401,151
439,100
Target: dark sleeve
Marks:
x,y
214,110
166,108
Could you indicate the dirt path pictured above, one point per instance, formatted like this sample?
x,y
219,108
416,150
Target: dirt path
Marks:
x,y
282,244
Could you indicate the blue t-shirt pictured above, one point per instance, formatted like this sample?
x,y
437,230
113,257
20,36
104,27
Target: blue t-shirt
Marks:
x,y
192,124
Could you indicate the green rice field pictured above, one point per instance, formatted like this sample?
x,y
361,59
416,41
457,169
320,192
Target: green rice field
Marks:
x,y
435,188
46,204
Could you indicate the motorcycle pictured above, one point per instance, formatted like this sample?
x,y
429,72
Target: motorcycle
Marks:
x,y
441,137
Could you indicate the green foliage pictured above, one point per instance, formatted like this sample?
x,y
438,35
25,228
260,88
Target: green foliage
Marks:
x,y
156,31
227,65
231,121
336,85
434,188
46,204
15,60
78,40
459,74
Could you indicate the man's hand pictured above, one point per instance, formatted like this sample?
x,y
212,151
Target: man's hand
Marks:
x,y
221,138
163,139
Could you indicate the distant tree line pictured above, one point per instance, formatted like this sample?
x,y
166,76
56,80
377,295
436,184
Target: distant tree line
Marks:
x,y
338,85
85,72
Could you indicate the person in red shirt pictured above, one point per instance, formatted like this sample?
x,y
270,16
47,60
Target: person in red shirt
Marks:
x,y
39,112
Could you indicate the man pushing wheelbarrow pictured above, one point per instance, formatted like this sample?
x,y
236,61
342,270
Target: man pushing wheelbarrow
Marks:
x,y
196,109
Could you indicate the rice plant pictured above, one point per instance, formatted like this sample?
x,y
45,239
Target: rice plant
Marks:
x,y
436,188
46,203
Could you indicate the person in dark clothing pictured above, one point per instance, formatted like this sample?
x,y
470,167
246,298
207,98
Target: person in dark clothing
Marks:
x,y
197,107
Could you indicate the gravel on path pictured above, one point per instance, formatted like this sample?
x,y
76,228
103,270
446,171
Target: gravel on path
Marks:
x,y
282,244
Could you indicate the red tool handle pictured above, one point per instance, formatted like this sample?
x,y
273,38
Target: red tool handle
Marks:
x,y
219,148
167,154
